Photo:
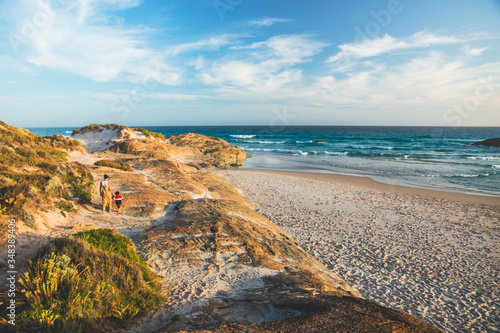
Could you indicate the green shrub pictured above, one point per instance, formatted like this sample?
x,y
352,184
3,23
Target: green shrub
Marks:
x,y
120,165
66,206
59,154
110,240
81,181
13,197
83,193
74,285
97,127
148,134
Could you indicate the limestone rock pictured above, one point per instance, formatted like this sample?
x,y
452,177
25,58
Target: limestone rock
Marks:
x,y
156,183
333,314
194,149
222,259
153,149
212,151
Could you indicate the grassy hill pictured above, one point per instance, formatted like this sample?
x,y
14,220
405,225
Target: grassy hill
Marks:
x,y
35,175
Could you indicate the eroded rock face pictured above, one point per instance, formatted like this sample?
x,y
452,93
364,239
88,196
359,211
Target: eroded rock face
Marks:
x,y
196,150
155,184
104,136
153,149
495,142
210,151
224,262
332,314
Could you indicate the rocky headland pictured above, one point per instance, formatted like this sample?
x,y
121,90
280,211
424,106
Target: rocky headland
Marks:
x,y
495,142
224,267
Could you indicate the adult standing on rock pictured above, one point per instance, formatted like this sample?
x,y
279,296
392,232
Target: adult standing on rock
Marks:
x,y
106,193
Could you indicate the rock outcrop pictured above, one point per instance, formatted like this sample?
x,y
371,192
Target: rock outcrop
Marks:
x,y
101,137
227,263
196,150
209,151
495,142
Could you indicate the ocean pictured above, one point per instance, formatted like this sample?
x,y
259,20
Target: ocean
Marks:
x,y
441,158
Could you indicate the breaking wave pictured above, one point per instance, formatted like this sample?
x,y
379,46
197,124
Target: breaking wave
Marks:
x,y
243,136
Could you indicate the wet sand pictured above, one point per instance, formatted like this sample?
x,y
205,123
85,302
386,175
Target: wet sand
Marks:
x,y
433,254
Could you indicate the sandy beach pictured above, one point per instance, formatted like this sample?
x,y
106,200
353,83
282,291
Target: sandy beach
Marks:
x,y
432,254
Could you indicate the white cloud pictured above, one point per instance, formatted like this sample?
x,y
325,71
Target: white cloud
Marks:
x,y
79,39
271,71
431,81
212,43
233,72
474,52
89,10
294,48
269,66
387,44
103,96
268,21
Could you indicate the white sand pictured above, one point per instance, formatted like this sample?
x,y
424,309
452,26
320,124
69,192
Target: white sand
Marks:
x,y
103,139
436,259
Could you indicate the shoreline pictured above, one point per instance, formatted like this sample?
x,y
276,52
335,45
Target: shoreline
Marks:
x,y
369,183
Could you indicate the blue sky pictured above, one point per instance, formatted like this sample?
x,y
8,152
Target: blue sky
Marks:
x,y
250,62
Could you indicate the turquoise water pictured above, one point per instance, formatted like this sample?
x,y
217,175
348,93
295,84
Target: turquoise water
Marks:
x,y
428,157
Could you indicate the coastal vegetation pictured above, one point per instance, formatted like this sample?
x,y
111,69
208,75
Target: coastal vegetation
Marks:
x,y
35,174
97,127
66,206
91,282
101,127
149,134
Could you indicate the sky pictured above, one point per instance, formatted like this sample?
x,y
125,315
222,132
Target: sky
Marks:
x,y
250,62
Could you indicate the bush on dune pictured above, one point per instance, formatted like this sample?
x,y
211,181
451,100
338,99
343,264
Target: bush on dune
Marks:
x,y
149,134
97,128
91,282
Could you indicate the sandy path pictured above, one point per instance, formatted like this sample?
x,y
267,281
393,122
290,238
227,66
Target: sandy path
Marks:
x,y
433,258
